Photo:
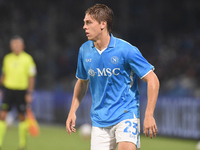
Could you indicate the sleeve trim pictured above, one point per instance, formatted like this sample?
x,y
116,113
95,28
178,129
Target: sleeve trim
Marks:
x,y
147,73
81,78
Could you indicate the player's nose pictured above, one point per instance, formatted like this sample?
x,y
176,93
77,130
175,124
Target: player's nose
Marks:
x,y
84,26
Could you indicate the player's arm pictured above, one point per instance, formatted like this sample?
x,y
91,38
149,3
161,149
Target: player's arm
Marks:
x,y
31,85
80,90
1,84
152,94
2,79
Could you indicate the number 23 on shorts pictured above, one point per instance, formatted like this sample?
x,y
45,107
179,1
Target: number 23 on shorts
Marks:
x,y
131,128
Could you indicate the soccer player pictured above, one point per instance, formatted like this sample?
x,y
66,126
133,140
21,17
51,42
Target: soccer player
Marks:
x,y
18,78
111,67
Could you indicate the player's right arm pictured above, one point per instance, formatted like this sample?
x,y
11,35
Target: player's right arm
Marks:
x,y
80,90
2,79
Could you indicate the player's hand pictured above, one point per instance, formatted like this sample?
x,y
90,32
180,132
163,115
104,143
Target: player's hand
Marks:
x,y
29,98
150,127
70,123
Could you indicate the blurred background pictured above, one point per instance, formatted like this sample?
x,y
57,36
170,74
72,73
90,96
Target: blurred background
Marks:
x,y
166,32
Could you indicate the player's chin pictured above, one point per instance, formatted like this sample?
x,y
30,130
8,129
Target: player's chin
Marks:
x,y
90,38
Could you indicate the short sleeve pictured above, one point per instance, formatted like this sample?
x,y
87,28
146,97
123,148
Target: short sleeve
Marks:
x,y
31,68
138,63
81,72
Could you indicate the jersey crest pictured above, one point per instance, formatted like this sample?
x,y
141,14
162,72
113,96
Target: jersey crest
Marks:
x,y
114,60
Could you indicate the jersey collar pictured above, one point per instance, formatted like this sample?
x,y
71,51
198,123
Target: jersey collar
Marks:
x,y
111,44
22,52
112,41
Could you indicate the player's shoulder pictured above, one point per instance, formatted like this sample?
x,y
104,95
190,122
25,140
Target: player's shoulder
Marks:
x,y
8,55
125,45
124,42
86,48
87,44
27,55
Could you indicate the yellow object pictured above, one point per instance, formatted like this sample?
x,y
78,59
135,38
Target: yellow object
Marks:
x,y
23,132
17,69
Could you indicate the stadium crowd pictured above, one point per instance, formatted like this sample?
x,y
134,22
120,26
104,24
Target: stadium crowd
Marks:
x,y
166,32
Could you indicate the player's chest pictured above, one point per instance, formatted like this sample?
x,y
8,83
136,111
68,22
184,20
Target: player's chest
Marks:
x,y
16,64
105,64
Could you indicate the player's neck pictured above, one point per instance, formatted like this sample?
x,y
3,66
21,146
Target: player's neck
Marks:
x,y
17,53
102,42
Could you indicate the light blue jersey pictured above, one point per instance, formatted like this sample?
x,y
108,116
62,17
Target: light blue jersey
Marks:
x,y
113,78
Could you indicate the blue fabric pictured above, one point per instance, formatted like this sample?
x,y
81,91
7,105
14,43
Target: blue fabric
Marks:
x,y
115,96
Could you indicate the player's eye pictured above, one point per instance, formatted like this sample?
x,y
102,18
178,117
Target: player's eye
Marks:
x,y
88,22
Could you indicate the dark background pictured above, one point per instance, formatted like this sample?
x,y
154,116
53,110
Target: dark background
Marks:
x,y
166,32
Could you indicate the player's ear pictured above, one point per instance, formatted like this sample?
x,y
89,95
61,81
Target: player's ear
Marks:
x,y
103,24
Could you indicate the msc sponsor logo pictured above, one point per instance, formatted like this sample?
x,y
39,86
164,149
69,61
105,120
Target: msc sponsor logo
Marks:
x,y
104,72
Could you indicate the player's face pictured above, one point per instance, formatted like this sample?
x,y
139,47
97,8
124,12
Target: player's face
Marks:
x,y
16,46
92,28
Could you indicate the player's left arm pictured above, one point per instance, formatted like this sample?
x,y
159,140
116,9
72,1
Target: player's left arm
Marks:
x,y
1,84
153,85
29,94
32,71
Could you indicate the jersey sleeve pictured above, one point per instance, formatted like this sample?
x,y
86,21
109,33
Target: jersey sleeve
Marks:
x,y
31,67
138,63
81,72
